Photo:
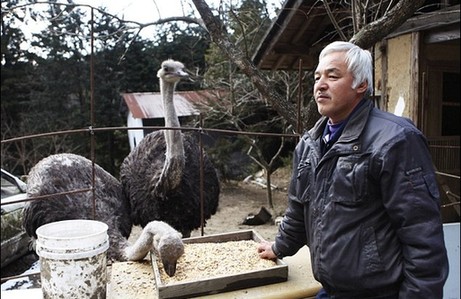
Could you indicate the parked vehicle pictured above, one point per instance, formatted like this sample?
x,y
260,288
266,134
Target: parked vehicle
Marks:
x,y
15,241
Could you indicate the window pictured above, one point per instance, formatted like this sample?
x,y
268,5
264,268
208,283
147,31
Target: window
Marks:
x,y
450,104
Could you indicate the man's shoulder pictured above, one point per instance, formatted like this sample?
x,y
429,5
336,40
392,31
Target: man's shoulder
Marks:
x,y
383,118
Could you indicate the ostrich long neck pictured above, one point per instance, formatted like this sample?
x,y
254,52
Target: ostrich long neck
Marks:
x,y
173,138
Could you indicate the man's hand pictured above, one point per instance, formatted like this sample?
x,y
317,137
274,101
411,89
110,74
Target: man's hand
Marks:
x,y
265,250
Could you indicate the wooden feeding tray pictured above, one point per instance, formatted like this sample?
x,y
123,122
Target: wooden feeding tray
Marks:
x,y
206,284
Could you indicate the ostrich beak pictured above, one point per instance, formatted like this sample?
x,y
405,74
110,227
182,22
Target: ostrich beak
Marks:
x,y
182,74
170,268
176,75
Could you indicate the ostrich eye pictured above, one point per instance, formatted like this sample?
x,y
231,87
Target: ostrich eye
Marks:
x,y
166,69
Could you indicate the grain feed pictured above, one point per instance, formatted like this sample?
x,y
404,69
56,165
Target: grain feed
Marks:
x,y
208,260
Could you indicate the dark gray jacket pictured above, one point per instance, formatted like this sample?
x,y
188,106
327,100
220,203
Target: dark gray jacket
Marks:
x,y
369,209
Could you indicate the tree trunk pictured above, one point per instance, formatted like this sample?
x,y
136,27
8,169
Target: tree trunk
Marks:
x,y
371,33
237,56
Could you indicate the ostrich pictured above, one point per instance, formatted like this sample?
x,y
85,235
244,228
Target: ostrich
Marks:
x,y
64,172
161,175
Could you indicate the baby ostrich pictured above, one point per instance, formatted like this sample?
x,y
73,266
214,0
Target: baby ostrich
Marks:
x,y
161,175
68,172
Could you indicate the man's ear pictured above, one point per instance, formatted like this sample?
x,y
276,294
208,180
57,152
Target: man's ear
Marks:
x,y
362,87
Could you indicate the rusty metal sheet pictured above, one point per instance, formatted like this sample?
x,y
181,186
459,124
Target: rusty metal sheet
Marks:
x,y
150,105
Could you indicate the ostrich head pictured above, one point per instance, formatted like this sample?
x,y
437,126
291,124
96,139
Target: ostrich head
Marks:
x,y
170,248
171,71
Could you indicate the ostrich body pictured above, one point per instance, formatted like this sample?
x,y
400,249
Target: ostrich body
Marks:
x,y
161,175
68,172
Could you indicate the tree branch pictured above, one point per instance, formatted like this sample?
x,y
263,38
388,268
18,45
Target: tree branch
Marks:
x,y
236,55
377,30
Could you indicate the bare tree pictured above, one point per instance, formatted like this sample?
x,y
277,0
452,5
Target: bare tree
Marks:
x,y
268,167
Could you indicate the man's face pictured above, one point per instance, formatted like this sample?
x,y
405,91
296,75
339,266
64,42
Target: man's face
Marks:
x,y
333,90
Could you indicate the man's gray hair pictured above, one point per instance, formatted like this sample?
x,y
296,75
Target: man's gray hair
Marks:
x,y
359,62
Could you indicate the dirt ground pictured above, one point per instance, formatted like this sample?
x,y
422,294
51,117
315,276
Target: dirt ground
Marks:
x,y
237,201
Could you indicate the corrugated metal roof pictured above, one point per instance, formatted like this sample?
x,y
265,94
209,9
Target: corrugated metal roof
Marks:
x,y
303,28
149,105
300,31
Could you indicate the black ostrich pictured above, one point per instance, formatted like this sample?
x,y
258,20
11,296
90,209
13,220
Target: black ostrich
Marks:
x,y
161,175
68,172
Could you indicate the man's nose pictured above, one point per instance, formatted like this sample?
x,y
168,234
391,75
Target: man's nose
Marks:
x,y
320,84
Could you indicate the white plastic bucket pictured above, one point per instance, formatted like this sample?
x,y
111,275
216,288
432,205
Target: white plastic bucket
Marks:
x,y
451,290
73,261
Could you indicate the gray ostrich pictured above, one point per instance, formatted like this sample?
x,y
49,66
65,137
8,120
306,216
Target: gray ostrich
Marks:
x,y
67,172
161,175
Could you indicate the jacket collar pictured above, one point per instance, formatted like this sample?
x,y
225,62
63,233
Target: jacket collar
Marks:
x,y
356,124
353,128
